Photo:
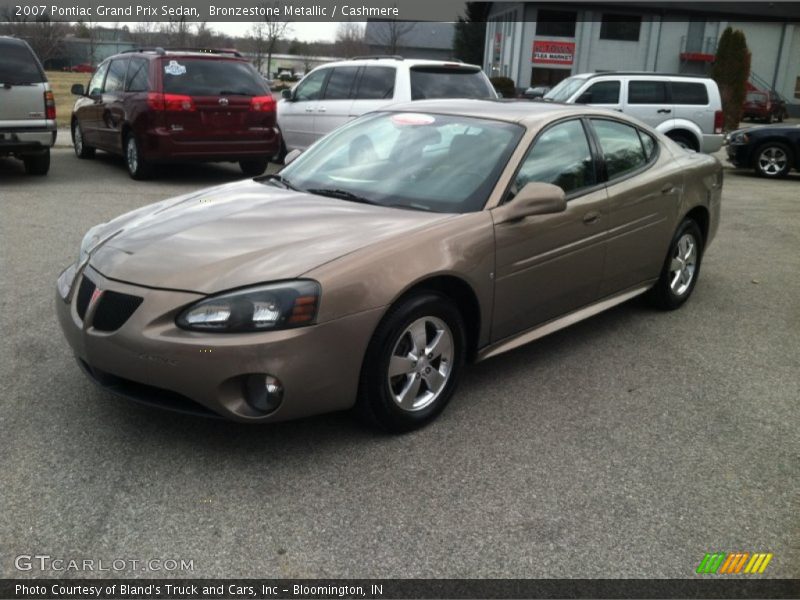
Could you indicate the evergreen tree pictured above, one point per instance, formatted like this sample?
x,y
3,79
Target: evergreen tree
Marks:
x,y
731,71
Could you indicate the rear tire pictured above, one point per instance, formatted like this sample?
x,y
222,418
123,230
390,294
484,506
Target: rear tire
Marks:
x,y
37,164
254,167
138,168
78,143
412,364
681,268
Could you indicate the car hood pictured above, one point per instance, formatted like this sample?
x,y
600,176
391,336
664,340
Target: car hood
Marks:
x,y
241,234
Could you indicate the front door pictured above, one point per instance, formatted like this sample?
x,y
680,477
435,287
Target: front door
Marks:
x,y
552,262
296,116
333,110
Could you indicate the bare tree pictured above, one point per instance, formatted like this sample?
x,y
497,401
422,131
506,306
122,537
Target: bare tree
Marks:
x,y
44,36
273,32
350,40
258,44
391,34
203,35
178,32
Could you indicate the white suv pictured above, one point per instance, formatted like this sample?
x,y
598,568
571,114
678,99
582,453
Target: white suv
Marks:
x,y
331,95
27,107
686,108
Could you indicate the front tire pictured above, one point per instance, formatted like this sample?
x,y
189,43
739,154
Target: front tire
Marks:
x,y
37,164
773,160
79,144
253,167
413,363
681,268
138,167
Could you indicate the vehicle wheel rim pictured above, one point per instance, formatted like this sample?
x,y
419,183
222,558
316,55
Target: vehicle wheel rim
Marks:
x,y
133,156
772,160
683,264
78,140
421,364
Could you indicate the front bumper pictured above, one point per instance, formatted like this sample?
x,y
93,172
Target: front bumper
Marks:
x,y
738,155
152,360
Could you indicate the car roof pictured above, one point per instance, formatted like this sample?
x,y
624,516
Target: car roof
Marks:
x,y
398,60
527,113
158,52
650,74
13,40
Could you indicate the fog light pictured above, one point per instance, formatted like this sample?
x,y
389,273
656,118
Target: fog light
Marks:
x,y
263,392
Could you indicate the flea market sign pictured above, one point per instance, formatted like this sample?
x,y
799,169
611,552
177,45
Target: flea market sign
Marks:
x,y
553,53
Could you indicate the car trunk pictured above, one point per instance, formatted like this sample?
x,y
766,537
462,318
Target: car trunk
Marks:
x,y
22,87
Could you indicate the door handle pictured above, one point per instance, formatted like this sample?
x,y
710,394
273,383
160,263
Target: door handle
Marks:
x,y
664,110
668,189
322,109
591,218
309,109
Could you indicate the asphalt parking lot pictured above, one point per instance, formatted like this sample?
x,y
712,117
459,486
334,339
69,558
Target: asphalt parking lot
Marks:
x,y
628,445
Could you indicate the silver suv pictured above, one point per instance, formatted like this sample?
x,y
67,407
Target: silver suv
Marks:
x,y
686,108
27,107
333,94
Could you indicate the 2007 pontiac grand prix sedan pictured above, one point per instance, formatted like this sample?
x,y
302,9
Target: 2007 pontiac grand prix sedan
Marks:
x,y
379,262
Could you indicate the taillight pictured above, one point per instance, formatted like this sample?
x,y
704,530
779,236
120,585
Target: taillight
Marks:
x,y
769,105
173,102
719,121
49,105
262,104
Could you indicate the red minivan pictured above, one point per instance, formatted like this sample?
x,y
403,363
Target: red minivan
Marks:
x,y
156,105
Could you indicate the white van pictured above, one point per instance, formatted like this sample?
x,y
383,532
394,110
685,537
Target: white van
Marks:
x,y
686,108
333,94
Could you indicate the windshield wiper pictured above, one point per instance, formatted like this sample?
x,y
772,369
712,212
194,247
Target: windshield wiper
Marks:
x,y
276,177
343,194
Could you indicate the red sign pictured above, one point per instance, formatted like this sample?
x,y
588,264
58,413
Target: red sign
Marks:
x,y
553,53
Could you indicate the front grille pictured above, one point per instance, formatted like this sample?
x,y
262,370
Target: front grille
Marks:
x,y
84,296
113,309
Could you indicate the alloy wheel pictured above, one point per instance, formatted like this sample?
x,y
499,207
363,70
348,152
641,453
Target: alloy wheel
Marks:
x,y
421,363
772,161
132,154
683,264
77,136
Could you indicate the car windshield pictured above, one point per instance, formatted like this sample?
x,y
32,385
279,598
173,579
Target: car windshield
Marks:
x,y
441,163
211,77
565,89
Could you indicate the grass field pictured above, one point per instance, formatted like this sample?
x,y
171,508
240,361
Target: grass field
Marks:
x,y
61,84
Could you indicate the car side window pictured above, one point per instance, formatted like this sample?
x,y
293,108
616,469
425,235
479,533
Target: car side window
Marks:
x,y
648,143
647,92
340,83
689,93
561,156
311,87
602,92
96,83
621,145
137,76
115,80
376,83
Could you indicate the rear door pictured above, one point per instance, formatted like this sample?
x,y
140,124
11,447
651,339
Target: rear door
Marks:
x,y
690,101
209,99
333,110
648,100
376,87
296,116
22,87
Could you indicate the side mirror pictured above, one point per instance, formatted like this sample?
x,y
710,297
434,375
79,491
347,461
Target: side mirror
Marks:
x,y
535,198
292,156
77,90
287,95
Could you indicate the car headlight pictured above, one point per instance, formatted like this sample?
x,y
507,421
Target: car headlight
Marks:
x,y
262,308
740,138
64,283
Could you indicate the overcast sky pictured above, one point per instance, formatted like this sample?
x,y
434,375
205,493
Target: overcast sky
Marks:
x,y
304,31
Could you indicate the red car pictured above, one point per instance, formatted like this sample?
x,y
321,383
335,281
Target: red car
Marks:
x,y
156,105
81,68
764,106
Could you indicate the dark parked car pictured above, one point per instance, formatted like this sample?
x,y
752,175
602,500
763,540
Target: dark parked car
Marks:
x,y
171,105
772,150
764,106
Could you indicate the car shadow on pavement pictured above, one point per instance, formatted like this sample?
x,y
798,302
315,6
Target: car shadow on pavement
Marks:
x,y
179,172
